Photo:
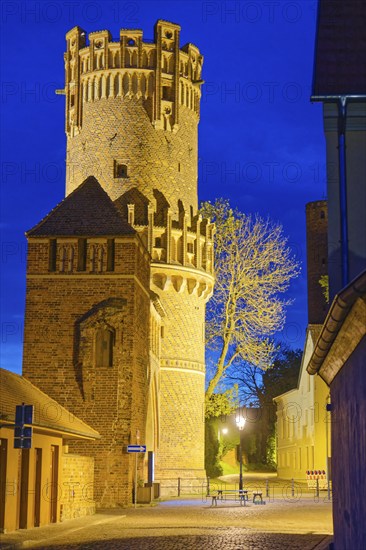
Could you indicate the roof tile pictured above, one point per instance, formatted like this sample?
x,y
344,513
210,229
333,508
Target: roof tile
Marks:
x,y
87,211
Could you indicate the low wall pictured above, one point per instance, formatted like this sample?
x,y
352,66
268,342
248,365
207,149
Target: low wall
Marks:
x,y
77,497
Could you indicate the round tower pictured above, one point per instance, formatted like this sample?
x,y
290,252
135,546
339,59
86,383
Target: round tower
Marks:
x,y
132,110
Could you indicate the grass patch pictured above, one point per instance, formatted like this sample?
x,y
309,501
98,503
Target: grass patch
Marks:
x,y
228,469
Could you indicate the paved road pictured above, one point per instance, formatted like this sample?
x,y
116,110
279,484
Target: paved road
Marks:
x,y
189,525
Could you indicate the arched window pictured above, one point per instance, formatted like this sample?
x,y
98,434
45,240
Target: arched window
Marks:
x,y
104,348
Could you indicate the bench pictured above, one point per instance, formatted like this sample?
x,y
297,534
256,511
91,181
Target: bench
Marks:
x,y
257,494
240,495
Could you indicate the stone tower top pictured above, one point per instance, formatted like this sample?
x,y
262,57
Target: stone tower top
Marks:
x,y
132,109
138,60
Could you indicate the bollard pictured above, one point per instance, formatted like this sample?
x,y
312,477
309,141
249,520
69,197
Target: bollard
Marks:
x,y
267,488
292,487
179,486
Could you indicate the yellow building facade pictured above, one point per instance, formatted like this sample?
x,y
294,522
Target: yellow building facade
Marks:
x,y
303,423
45,483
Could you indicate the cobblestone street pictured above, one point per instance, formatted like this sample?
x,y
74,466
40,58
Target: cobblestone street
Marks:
x,y
187,525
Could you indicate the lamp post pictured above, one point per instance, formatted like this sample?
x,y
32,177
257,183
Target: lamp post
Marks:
x,y
240,422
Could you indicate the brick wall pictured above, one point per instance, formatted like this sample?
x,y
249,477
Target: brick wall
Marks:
x,y
155,159
77,489
63,313
317,259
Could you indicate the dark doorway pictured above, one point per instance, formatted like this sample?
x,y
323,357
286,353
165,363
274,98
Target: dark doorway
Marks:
x,y
24,485
3,465
54,483
37,487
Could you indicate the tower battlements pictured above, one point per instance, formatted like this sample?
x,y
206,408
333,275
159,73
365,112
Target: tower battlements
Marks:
x,y
159,72
132,109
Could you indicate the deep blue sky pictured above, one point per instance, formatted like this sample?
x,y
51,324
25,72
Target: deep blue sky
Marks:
x,y
261,140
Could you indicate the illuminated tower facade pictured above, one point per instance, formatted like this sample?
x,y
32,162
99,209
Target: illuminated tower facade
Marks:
x,y
132,111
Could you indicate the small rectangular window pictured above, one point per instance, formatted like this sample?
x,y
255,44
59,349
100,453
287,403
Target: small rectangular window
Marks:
x,y
166,93
82,254
158,242
120,170
190,248
52,255
110,255
104,348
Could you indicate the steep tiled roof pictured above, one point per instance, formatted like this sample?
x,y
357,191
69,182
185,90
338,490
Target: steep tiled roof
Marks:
x,y
48,414
86,211
340,51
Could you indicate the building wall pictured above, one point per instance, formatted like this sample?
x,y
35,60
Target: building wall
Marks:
x,y
356,192
63,313
301,424
77,498
182,371
14,481
348,391
153,160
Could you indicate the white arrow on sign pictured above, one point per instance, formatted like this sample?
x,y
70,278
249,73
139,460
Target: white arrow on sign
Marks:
x,y
136,448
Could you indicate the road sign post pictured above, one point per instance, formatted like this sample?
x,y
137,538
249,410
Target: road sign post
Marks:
x,y
22,432
136,449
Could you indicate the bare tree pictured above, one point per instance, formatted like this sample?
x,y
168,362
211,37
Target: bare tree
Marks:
x,y
253,267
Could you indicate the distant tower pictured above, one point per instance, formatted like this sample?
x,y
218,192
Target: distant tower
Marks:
x,y
317,259
132,110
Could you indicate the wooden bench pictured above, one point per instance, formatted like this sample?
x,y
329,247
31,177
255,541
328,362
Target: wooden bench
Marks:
x,y
222,495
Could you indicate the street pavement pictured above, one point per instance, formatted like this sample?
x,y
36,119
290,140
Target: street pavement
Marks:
x,y
182,524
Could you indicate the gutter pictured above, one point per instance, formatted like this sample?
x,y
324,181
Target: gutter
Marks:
x,y
342,100
341,305
43,428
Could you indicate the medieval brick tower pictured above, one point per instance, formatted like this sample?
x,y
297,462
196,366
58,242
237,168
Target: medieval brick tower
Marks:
x,y
317,259
119,273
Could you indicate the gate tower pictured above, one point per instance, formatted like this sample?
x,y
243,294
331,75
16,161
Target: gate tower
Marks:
x,y
132,111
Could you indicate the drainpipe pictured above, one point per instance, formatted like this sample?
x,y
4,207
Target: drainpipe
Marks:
x,y
342,115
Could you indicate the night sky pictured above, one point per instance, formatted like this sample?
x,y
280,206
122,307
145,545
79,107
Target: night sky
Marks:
x,y
261,141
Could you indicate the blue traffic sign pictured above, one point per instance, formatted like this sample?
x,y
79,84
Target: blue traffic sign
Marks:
x,y
136,448
22,433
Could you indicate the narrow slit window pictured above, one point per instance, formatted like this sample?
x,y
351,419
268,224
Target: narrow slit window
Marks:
x,y
110,254
82,254
104,348
52,256
166,93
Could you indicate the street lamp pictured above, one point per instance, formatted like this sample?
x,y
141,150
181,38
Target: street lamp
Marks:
x,y
240,422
